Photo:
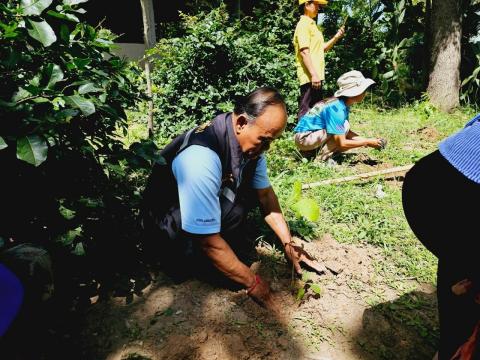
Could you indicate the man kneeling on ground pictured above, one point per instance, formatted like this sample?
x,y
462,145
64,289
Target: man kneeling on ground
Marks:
x,y
325,128
195,206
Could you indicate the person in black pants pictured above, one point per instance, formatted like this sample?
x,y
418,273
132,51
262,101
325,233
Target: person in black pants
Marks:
x,y
440,201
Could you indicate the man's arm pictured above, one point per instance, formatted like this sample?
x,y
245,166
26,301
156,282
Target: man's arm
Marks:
x,y
330,43
307,61
273,214
274,218
225,260
345,143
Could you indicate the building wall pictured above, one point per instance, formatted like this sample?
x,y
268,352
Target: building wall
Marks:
x,y
124,18
130,51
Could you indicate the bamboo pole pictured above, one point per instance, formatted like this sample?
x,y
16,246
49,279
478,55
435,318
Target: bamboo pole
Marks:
x,y
150,40
392,172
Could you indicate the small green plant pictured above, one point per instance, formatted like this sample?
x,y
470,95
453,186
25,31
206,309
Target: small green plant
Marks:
x,y
308,287
303,207
304,210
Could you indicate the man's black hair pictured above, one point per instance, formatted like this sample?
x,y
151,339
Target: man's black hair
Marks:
x,y
255,103
301,9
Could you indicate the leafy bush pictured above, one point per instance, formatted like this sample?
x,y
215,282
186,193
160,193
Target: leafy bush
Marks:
x,y
60,90
199,75
65,177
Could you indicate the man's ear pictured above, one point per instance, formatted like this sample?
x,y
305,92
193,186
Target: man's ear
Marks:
x,y
240,123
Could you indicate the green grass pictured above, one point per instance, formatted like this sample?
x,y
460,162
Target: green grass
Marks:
x,y
350,211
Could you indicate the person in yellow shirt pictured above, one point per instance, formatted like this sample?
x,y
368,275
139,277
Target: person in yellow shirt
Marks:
x,y
310,48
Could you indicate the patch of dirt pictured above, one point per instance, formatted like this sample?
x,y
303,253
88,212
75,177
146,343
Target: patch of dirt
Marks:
x,y
428,133
361,161
356,316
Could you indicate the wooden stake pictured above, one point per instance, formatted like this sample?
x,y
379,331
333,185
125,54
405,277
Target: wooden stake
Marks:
x,y
392,172
150,39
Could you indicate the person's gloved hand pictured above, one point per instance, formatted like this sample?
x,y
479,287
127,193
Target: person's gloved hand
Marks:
x,y
296,254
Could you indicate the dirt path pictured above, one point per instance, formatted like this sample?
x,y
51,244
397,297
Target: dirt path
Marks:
x,y
356,316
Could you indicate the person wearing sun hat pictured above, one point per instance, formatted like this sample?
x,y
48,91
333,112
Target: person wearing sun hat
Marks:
x,y
310,49
325,128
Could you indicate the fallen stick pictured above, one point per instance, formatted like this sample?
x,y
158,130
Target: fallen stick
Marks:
x,y
392,172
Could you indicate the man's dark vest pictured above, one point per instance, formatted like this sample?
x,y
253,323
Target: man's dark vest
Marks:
x,y
161,212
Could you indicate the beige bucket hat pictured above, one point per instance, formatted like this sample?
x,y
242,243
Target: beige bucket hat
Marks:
x,y
352,83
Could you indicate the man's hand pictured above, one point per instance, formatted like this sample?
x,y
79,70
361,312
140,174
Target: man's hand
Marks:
x,y
376,143
316,82
296,254
340,33
262,294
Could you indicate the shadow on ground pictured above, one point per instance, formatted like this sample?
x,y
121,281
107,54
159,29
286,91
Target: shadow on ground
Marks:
x,y
406,328
190,320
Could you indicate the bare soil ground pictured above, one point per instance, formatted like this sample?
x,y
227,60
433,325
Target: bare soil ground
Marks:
x,y
355,316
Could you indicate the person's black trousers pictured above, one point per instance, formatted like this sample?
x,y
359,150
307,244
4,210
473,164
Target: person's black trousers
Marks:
x,y
308,97
442,208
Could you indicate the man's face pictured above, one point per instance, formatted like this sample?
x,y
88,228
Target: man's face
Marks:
x,y
313,8
254,139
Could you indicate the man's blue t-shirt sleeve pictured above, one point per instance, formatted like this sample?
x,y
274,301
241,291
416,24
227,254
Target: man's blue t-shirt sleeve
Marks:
x,y
198,172
260,178
335,116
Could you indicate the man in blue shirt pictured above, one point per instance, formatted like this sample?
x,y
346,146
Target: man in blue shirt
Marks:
x,y
197,203
325,127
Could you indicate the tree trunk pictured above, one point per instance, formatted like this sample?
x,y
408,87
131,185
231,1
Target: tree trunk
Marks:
x,y
150,39
445,55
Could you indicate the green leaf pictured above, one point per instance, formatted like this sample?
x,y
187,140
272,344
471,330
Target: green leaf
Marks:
x,y
79,102
297,191
87,88
9,31
70,236
58,102
34,7
306,276
308,209
67,213
7,103
79,249
63,16
73,2
42,32
20,94
300,294
40,100
81,63
401,16
3,144
389,74
54,73
316,289
64,33
32,149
